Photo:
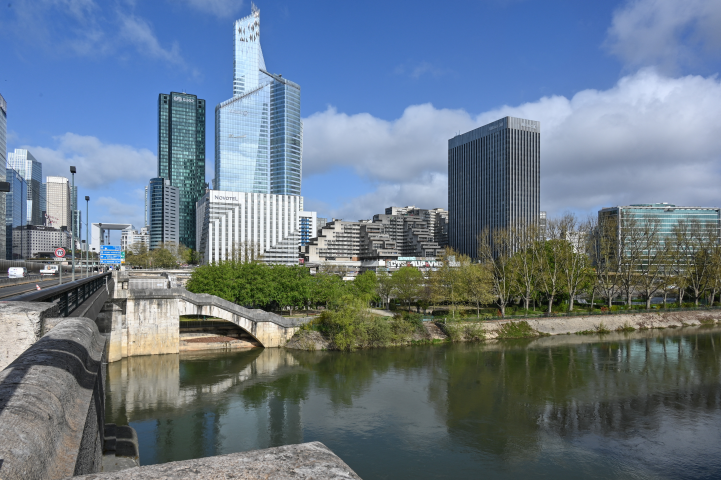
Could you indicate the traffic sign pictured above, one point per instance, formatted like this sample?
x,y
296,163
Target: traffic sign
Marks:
x,y
110,254
60,252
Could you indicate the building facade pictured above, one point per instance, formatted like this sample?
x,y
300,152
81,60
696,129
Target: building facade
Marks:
x,y
258,132
58,202
3,159
493,180
38,241
31,170
134,240
234,223
307,226
164,212
16,202
181,154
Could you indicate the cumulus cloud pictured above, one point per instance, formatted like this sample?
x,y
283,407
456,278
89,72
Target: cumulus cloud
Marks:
x,y
649,138
665,33
115,211
220,8
138,32
99,164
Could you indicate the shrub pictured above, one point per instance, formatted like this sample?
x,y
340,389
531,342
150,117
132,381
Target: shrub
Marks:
x,y
458,332
517,330
601,329
625,328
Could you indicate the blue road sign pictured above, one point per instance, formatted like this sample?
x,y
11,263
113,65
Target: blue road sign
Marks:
x,y
110,254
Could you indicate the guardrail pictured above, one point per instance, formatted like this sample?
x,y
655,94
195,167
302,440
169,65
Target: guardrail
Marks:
x,y
68,296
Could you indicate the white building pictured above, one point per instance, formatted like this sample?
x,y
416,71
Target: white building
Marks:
x,y
228,222
131,240
58,202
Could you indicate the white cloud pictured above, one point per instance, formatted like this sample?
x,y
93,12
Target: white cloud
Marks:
x,y
117,211
99,164
137,31
649,138
665,33
417,70
220,8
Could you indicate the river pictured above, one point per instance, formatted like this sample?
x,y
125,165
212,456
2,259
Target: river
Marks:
x,y
639,405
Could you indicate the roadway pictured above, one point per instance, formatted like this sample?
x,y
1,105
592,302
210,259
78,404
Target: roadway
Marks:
x,y
13,290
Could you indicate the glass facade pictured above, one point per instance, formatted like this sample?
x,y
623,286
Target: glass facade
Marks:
x,y
181,154
32,171
15,213
494,180
258,132
3,159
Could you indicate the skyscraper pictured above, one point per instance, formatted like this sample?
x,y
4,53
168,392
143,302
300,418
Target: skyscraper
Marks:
x,y
181,154
3,159
16,202
31,170
58,202
164,212
493,180
258,132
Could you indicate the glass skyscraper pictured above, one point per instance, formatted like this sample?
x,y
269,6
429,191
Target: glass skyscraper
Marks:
x,y
3,159
31,170
494,180
258,132
181,154
16,202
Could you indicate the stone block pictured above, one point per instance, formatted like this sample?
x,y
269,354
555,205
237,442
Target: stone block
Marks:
x,y
21,325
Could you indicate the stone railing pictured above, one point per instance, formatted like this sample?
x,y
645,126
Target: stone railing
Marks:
x,y
52,405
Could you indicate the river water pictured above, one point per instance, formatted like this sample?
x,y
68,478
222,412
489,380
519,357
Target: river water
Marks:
x,y
639,405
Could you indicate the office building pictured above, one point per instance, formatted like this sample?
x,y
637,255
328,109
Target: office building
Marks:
x,y
232,223
31,170
337,241
38,241
667,215
308,226
43,203
134,240
3,160
16,202
181,154
493,180
258,132
59,202
165,217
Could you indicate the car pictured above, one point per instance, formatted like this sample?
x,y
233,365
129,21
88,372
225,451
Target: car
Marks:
x,y
17,272
49,270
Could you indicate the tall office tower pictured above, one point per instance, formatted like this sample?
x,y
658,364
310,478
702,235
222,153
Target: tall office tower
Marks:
x,y
16,202
77,213
165,201
3,159
493,180
146,207
32,171
258,132
181,154
58,202
44,202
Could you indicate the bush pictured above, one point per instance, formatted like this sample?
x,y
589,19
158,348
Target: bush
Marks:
x,y
517,330
459,332
625,328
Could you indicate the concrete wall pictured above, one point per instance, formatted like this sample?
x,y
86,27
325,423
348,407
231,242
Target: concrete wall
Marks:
x,y
52,405
21,325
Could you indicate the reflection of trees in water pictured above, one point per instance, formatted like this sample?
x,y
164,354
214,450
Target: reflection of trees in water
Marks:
x,y
499,401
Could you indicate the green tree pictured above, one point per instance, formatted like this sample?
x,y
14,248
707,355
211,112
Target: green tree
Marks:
x,y
447,280
365,286
407,281
385,287
476,283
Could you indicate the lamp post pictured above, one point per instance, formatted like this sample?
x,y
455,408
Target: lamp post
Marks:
x,y
87,235
72,221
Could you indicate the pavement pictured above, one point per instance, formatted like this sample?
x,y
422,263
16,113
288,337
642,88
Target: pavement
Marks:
x,y
13,290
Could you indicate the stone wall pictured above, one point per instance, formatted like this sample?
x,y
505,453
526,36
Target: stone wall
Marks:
x,y
52,401
21,325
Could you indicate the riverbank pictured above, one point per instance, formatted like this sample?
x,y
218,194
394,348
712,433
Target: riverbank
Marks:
x,y
307,339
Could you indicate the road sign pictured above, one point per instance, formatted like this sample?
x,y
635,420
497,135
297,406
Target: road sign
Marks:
x,y
60,252
110,254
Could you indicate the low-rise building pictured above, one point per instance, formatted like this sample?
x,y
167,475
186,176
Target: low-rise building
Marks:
x,y
38,240
133,240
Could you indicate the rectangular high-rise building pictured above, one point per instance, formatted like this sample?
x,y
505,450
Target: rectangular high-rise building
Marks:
x,y
258,132
3,160
16,202
31,170
164,213
494,180
181,154
58,202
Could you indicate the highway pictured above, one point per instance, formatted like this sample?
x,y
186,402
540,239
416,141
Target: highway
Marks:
x,y
13,290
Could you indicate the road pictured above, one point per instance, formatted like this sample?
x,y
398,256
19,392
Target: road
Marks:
x,y
13,290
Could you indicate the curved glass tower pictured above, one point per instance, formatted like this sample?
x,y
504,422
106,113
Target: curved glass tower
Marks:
x,y
258,133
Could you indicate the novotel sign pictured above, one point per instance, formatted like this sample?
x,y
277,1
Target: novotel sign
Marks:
x,y
225,199
183,99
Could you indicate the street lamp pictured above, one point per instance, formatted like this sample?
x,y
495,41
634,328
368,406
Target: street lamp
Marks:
x,y
72,221
87,236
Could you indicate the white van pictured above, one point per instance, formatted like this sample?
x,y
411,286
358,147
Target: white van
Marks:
x,y
17,272
49,270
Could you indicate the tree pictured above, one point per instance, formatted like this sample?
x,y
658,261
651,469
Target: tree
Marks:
x,y
384,287
446,281
495,250
476,283
550,254
605,257
653,259
524,264
573,258
407,281
702,240
365,286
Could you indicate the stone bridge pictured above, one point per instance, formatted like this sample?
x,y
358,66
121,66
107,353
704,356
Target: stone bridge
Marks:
x,y
146,322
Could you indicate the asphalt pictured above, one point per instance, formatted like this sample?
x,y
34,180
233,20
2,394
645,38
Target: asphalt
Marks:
x,y
13,290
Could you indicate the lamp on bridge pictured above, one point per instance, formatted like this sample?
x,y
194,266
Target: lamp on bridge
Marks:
x,y
87,235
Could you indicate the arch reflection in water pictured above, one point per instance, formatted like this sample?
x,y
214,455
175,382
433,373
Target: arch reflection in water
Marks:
x,y
646,404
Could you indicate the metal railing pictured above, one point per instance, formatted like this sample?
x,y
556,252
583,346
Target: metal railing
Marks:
x,y
68,296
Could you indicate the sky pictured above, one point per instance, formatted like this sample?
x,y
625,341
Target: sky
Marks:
x,y
627,93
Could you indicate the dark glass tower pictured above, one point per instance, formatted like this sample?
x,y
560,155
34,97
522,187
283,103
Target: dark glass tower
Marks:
x,y
494,180
181,154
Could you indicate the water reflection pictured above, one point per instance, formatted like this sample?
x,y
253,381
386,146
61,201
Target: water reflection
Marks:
x,y
644,405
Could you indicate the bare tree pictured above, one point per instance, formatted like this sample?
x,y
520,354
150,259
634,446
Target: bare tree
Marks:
x,y
702,240
630,249
679,257
653,258
524,263
495,250
605,257
574,260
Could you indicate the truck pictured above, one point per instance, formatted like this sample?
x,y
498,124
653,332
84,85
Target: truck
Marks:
x,y
49,270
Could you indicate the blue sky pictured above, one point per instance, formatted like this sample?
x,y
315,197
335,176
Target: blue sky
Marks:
x,y
627,92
